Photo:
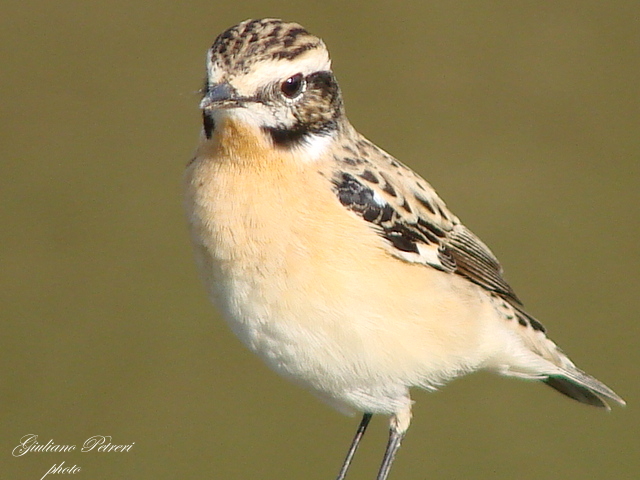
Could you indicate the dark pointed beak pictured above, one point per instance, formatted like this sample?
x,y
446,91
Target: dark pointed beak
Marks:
x,y
219,95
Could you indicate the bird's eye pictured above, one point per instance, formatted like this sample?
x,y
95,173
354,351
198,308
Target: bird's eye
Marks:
x,y
292,86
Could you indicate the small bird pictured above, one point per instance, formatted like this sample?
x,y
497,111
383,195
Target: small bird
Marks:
x,y
334,262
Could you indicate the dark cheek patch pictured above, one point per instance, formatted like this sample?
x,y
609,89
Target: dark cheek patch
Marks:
x,y
283,137
316,113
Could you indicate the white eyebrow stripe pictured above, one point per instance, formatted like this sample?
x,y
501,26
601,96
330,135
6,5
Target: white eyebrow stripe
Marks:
x,y
268,71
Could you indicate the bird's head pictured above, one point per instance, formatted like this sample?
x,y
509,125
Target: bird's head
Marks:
x,y
274,76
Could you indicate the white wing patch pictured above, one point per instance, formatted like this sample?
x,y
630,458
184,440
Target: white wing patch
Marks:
x,y
429,254
381,202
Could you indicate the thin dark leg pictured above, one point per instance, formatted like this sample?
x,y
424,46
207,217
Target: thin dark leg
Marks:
x,y
395,438
354,445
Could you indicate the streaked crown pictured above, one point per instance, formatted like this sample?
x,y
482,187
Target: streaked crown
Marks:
x,y
254,41
276,76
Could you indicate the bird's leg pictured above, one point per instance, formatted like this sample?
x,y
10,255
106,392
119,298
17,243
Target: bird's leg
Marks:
x,y
399,426
354,445
395,438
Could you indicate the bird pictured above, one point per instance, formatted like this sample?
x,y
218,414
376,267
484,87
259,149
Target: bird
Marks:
x,y
334,262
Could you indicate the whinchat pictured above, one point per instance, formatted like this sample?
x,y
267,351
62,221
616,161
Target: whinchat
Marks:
x,y
337,264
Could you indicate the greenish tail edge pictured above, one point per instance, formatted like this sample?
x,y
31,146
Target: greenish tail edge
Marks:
x,y
583,388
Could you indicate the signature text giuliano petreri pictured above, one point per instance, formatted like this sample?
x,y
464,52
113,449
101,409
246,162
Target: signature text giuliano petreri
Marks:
x,y
98,443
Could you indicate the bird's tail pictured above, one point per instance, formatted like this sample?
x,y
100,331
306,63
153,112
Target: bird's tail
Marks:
x,y
584,388
552,366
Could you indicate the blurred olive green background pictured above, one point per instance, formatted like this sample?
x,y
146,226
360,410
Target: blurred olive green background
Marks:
x,y
524,115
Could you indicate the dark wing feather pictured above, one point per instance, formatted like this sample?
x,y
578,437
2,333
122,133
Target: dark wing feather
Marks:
x,y
406,211
474,260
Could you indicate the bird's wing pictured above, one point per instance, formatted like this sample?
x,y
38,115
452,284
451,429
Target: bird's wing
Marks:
x,y
406,211
417,226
